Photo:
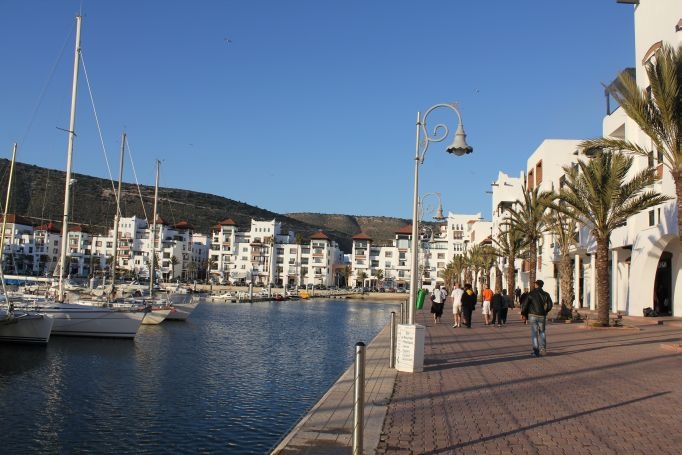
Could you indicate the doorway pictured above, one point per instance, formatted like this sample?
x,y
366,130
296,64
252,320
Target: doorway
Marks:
x,y
663,285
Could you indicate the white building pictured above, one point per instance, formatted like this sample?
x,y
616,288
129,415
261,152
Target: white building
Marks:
x,y
646,253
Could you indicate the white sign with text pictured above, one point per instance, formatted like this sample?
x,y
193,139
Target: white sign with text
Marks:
x,y
409,349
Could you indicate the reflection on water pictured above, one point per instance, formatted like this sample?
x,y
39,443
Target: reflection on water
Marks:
x,y
233,378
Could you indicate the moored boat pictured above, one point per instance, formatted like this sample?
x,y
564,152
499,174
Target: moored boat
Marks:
x,y
73,319
25,327
156,315
182,310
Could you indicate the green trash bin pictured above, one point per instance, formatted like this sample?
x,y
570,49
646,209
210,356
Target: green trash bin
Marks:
x,y
421,295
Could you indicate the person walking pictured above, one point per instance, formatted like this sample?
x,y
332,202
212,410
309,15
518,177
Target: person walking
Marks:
x,y
457,306
487,298
468,304
506,304
517,295
437,304
535,309
522,298
496,305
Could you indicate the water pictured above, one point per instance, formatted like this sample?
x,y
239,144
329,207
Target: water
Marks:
x,y
233,378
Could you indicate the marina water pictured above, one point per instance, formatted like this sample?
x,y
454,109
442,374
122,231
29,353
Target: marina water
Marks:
x,y
233,378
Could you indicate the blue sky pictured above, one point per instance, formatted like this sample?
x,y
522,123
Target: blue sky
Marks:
x,y
308,106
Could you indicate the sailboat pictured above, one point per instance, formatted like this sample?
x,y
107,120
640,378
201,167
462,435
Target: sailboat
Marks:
x,y
174,305
19,326
79,319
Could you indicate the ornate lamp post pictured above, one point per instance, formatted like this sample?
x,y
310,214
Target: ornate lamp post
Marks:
x,y
458,147
410,336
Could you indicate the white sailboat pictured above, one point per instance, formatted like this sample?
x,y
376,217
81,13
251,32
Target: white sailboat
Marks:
x,y
174,305
76,319
19,326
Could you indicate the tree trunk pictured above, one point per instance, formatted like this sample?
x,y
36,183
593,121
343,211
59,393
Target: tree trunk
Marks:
x,y
603,295
566,272
532,262
511,283
498,279
677,179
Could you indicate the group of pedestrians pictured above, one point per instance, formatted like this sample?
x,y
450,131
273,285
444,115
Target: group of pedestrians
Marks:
x,y
535,306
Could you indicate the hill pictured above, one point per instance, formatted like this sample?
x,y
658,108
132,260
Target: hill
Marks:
x,y
38,194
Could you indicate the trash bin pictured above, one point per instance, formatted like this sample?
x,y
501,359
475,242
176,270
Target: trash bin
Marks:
x,y
421,295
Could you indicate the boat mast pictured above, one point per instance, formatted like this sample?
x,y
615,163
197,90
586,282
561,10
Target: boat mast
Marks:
x,y
69,155
4,220
153,249
117,217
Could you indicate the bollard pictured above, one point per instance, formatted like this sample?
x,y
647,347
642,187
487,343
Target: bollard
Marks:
x,y
359,405
391,360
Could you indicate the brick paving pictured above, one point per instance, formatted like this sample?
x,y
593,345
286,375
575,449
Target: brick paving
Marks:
x,y
609,391
614,391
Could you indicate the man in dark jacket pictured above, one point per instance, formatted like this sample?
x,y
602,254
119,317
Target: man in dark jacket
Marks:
x,y
535,309
468,304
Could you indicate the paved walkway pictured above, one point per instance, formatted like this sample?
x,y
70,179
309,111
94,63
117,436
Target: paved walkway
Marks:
x,y
614,391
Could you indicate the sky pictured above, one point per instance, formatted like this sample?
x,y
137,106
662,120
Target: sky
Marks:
x,y
307,105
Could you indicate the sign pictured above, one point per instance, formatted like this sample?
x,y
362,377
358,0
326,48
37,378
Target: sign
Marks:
x,y
409,350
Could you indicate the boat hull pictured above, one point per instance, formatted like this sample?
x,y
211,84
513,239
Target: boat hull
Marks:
x,y
182,311
155,316
33,328
91,321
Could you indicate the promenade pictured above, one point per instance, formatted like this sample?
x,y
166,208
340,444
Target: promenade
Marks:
x,y
613,391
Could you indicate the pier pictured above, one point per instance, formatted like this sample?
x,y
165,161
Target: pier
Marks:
x,y
615,390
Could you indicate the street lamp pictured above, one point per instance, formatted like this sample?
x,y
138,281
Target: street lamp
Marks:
x,y
458,147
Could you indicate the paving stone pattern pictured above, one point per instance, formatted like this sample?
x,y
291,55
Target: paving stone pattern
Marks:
x,y
614,391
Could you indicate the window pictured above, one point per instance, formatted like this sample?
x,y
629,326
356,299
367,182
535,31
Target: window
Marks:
x,y
388,254
652,218
531,180
538,173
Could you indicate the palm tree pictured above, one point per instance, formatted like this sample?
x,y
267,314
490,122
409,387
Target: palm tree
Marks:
x,y
487,261
346,273
380,275
509,244
173,261
475,262
192,270
452,273
530,219
362,276
657,110
597,194
563,228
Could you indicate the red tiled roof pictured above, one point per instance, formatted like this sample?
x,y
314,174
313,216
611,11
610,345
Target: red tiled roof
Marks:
x,y
227,222
183,225
49,227
17,219
319,236
361,236
407,229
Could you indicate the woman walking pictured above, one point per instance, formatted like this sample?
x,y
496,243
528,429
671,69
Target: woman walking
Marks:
x,y
437,304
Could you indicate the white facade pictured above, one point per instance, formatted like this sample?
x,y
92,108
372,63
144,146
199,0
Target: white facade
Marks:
x,y
646,252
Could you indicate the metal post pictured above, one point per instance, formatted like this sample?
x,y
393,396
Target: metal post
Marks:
x,y
391,360
415,229
359,406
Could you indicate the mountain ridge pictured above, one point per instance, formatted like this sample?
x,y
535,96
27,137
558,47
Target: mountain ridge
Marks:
x,y
38,194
